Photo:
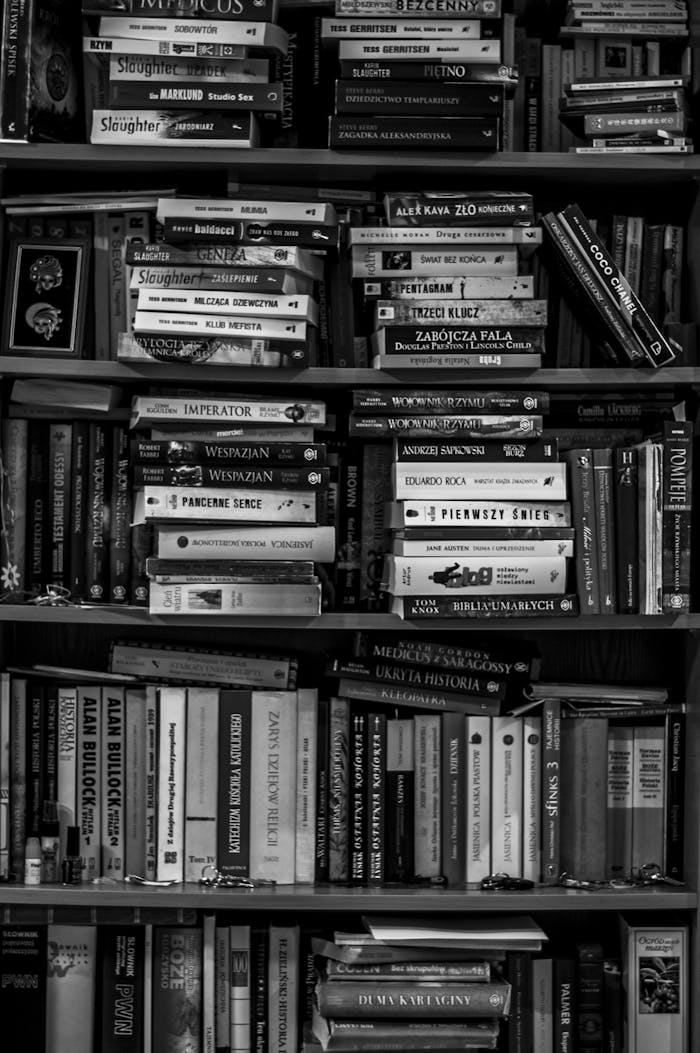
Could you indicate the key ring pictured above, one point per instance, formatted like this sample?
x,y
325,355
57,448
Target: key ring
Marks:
x,y
215,877
504,881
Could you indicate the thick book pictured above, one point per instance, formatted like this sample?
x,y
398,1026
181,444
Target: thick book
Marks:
x,y
201,666
120,964
371,261
284,988
390,342
400,782
491,451
618,849
476,208
192,503
427,815
528,481
385,671
426,576
183,323
230,475
88,811
251,232
340,28
170,827
23,968
249,409
677,497
486,514
439,607
478,798
200,95
467,426
256,34
225,302
655,982
444,403
177,453
406,98
113,790
378,1036
177,989
273,786
242,257
648,793
71,978
453,312
583,808
476,51
338,789
240,10
233,782
408,1000
516,664
451,287
316,543
175,128
230,599
212,278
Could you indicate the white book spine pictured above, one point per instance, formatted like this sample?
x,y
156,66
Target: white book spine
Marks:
x,y
5,776
478,810
476,549
213,31
506,794
209,983
172,663
88,814
151,801
118,44
633,251
262,542
459,481
223,412
185,322
135,766
475,51
203,599
67,758
246,71
485,576
453,287
223,987
432,238
257,211
426,814
283,993
273,786
113,782
200,780
484,513
234,433
70,988
219,302
137,224
663,949
307,722
172,712
219,503
371,262
400,28
532,798
239,1005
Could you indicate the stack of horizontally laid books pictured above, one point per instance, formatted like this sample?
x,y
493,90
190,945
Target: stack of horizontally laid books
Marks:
x,y
417,82
178,74
231,482
231,277
627,105
444,283
471,481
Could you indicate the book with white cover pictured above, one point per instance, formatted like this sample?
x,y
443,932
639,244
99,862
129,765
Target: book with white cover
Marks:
x,y
235,208
231,600
211,31
532,797
427,576
273,786
232,409
200,781
234,542
172,711
506,795
229,506
186,322
470,481
478,807
222,302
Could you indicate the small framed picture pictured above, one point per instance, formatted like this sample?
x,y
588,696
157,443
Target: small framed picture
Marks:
x,y
45,297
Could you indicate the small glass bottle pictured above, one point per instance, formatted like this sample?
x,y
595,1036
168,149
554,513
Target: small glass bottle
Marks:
x,y
32,861
72,863
50,844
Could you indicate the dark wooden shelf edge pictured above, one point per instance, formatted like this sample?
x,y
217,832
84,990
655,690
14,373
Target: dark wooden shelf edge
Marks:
x,y
120,372
328,898
139,617
348,164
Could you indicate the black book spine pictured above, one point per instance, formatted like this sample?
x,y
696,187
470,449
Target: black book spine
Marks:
x,y
627,529
407,98
322,761
23,986
399,785
583,511
551,791
441,133
589,997
49,743
348,567
358,798
613,1006
376,797
37,547
453,797
97,534
60,450
564,1011
519,1027
78,510
15,69
120,519
121,950
605,523
675,795
35,780
233,823
142,539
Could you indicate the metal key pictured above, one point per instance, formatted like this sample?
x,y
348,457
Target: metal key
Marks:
x,y
651,874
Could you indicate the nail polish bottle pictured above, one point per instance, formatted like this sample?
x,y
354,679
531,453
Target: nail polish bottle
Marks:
x,y
32,861
72,864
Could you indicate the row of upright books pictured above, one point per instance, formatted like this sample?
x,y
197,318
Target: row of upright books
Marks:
x,y
419,763
396,984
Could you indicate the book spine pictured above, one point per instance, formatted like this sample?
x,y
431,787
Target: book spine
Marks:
x,y
627,532
648,794
78,509
506,794
119,519
170,826
466,427
675,795
464,481
400,765
113,782
589,997
357,800
677,508
453,848
206,598
15,453
263,98
672,275
177,993
338,790
418,698
466,360
135,780
201,814
60,449
37,549
583,807
477,831
283,991
234,542
88,814
18,775
519,1027
221,325
563,1004
584,516
371,262
260,986
97,562
222,977
445,286
231,476
551,791
376,462
484,576
348,569
5,777
434,100
120,984
426,816
151,797
239,505
307,746
234,782
618,827
605,528
352,999
542,1003
439,607
532,798
273,786
650,283
240,989
208,983
383,670
376,798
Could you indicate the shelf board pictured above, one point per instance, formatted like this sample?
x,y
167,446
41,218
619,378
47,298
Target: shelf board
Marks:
x,y
334,899
350,165
136,617
123,373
